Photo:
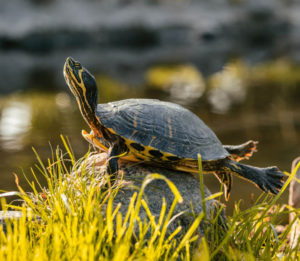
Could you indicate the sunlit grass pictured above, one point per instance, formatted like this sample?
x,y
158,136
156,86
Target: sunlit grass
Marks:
x,y
76,219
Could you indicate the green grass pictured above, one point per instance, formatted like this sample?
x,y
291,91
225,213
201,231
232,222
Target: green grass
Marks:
x,y
78,221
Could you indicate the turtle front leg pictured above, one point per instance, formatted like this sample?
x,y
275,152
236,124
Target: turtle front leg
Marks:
x,y
94,140
114,153
113,157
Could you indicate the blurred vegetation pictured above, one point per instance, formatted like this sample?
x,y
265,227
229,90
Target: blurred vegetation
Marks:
x,y
256,87
110,89
183,82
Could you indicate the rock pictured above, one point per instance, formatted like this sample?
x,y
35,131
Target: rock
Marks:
x,y
9,215
133,177
12,215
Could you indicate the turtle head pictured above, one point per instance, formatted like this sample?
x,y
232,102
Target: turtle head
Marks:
x,y
83,85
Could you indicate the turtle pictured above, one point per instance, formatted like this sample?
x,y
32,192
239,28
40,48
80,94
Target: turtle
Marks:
x,y
161,133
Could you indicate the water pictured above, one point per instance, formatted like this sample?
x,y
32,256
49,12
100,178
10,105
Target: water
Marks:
x,y
239,103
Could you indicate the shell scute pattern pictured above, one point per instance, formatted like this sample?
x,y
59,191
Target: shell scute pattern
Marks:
x,y
154,119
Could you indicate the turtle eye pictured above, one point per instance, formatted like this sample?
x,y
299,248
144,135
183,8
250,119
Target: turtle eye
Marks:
x,y
77,65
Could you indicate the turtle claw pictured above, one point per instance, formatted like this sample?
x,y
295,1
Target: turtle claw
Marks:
x,y
250,148
274,179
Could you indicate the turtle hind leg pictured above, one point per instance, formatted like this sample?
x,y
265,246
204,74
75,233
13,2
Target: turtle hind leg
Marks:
x,y
268,179
242,151
225,178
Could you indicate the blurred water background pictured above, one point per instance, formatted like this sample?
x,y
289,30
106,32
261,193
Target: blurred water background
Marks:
x,y
234,63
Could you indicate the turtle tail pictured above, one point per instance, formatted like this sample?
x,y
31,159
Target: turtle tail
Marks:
x,y
268,179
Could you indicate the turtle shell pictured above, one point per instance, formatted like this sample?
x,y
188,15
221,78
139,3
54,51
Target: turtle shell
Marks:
x,y
165,126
